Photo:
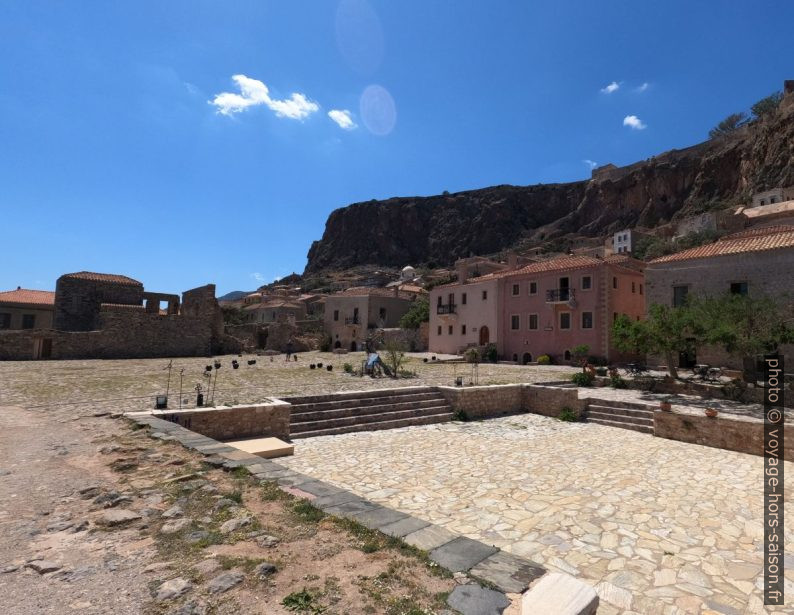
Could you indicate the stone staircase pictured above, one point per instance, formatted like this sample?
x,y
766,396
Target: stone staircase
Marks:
x,y
624,414
325,415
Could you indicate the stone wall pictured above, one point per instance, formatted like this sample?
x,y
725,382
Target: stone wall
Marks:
x,y
234,422
550,401
740,434
481,402
78,301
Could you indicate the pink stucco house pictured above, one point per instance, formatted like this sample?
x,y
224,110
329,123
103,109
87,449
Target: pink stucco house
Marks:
x,y
546,307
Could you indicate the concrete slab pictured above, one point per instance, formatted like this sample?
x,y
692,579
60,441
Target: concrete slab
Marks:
x,y
269,448
429,538
378,517
320,489
461,554
560,594
508,572
350,508
475,600
325,502
403,527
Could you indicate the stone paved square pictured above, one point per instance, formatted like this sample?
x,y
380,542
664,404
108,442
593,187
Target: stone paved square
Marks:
x,y
657,526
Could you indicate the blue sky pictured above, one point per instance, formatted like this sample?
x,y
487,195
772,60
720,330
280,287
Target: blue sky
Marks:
x,y
128,146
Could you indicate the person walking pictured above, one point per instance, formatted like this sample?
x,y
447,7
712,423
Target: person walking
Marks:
x,y
289,349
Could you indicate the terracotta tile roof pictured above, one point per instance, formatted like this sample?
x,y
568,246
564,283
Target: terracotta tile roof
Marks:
x,y
563,263
757,240
366,291
766,230
274,304
103,277
28,297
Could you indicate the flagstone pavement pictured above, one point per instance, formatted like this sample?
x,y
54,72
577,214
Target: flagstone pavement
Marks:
x,y
659,527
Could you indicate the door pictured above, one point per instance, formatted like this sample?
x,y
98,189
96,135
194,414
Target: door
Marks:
x,y
485,336
46,348
527,358
564,286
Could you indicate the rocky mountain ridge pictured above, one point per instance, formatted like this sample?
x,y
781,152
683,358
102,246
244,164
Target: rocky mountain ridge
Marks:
x,y
437,230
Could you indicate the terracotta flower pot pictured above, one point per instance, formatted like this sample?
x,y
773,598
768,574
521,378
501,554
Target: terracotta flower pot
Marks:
x,y
711,412
665,406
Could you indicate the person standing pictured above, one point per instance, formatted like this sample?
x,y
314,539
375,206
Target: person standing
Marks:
x,y
289,349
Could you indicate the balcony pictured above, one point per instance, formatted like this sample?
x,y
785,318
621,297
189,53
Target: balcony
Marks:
x,y
559,295
352,320
449,308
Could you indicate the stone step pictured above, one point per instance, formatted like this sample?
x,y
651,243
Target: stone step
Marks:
x,y
361,402
423,420
605,409
339,412
617,418
359,394
640,428
616,403
346,421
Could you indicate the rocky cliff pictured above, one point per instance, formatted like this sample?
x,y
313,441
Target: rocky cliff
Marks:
x,y
436,230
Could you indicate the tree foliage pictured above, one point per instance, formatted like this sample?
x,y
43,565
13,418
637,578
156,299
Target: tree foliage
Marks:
x,y
418,313
767,105
232,315
729,125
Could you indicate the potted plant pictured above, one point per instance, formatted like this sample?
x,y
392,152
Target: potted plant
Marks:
x,y
711,412
665,405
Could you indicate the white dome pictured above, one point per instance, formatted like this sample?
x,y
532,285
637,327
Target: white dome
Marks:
x,y
408,268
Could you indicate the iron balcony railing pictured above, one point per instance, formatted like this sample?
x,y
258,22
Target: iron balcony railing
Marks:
x,y
351,320
559,295
449,308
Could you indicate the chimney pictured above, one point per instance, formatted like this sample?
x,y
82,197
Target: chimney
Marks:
x,y
463,273
512,260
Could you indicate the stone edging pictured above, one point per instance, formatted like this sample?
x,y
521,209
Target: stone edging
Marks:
x,y
505,571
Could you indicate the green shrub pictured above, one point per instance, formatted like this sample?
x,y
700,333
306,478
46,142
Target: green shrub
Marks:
x,y
326,343
544,359
598,361
568,415
582,379
618,383
348,368
491,353
472,355
460,415
601,371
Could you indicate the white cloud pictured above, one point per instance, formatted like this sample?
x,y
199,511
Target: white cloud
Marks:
x,y
612,87
643,87
592,164
633,122
258,277
253,92
343,119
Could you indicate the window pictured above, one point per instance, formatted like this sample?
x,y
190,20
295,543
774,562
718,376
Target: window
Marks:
x,y
440,301
382,313
485,295
451,299
450,329
516,290
463,298
640,288
336,314
614,317
565,320
679,295
533,321
515,322
28,321
632,287
533,288
5,320
614,282
587,282
439,329
463,329
738,288
587,320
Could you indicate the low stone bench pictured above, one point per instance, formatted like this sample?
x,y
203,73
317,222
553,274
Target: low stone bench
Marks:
x,y
268,448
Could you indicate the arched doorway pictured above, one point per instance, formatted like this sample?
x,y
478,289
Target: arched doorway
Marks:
x,y
515,358
353,346
567,355
337,344
485,336
527,358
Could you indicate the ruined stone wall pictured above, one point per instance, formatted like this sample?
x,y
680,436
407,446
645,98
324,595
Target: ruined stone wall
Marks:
x,y
78,301
227,423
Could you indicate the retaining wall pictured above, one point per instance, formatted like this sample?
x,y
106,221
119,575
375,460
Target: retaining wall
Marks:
x,y
225,423
740,434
